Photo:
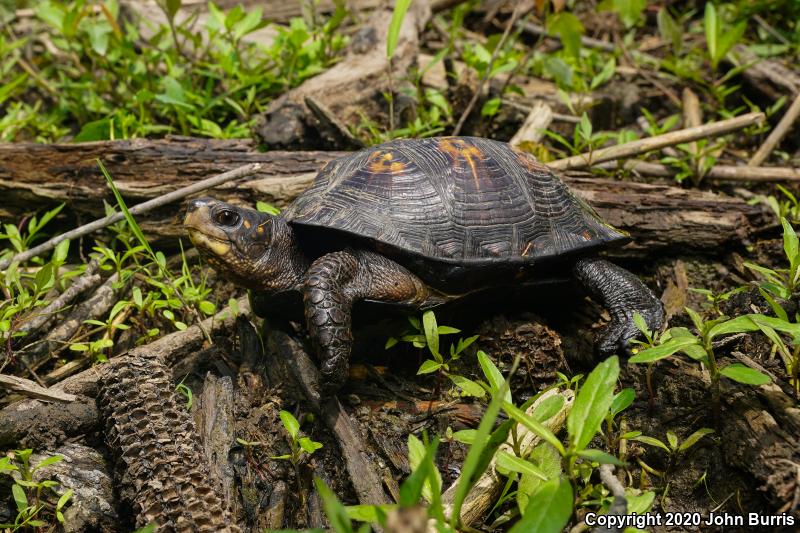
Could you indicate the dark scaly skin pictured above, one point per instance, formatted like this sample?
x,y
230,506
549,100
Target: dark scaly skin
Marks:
x,y
623,294
334,282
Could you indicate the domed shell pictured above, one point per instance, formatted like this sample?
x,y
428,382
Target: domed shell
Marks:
x,y
462,200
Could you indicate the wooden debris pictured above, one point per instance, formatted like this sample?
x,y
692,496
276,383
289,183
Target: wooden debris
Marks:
x,y
775,137
363,475
34,390
485,491
649,144
537,121
162,471
768,75
717,172
86,229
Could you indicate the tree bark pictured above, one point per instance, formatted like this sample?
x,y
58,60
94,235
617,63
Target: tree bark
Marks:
x,y
36,176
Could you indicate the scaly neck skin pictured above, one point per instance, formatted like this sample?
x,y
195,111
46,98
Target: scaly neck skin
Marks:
x,y
284,265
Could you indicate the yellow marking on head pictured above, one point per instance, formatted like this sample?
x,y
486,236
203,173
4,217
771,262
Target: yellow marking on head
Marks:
x,y
215,246
246,224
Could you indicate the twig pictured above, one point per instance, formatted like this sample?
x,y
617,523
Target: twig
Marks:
x,y
485,78
692,115
777,134
718,172
33,390
240,172
658,142
88,280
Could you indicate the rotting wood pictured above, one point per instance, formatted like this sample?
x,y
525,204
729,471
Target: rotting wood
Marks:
x,y
486,489
86,229
363,475
767,74
144,169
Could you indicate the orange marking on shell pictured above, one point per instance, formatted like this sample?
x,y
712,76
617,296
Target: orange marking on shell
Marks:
x,y
458,150
527,249
384,162
528,161
586,236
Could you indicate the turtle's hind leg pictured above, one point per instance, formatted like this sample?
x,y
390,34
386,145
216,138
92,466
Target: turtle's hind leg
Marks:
x,y
623,294
333,283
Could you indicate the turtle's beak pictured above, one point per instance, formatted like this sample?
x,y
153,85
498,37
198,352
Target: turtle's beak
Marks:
x,y
203,232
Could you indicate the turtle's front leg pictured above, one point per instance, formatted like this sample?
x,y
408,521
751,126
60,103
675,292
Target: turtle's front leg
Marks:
x,y
333,283
623,294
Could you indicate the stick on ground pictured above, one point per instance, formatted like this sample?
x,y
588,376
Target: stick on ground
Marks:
x,y
777,134
658,142
241,172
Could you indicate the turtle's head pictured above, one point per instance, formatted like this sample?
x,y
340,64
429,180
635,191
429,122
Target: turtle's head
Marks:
x,y
254,249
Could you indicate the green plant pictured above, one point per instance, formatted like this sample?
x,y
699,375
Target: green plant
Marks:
x,y
696,159
37,506
674,448
782,282
787,207
301,447
425,334
583,138
720,37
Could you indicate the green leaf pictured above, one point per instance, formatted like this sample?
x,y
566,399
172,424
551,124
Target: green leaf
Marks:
x,y
19,497
742,374
465,436
641,325
569,29
62,501
734,325
290,423
414,485
605,74
534,425
61,251
512,463
250,23
309,446
601,457
697,320
549,462
692,439
172,8
490,107
548,510
592,403
429,366
651,441
334,510
269,209
447,330
666,349
48,461
711,27
416,455
467,386
669,29
399,13
493,375
45,278
790,244
672,439
622,400
548,407
431,333
372,514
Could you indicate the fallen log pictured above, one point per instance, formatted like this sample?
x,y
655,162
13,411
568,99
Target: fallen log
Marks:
x,y
34,176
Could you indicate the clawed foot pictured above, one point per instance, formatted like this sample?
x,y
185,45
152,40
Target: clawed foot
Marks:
x,y
616,337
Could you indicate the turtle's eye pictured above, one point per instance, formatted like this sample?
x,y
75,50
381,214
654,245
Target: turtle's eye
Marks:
x,y
226,217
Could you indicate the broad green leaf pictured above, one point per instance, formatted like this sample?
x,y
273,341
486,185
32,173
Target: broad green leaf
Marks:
x,y
61,251
465,436
692,439
592,403
428,366
534,425
290,423
790,244
662,351
334,510
549,509
250,23
512,463
19,497
734,325
669,29
569,29
467,386
431,332
601,457
399,13
447,330
604,75
651,441
414,485
373,514
622,400
309,446
742,374
711,27
548,461
696,319
672,439
641,325
548,407
416,454
493,375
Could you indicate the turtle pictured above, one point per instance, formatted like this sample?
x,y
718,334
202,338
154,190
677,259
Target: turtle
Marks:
x,y
417,223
